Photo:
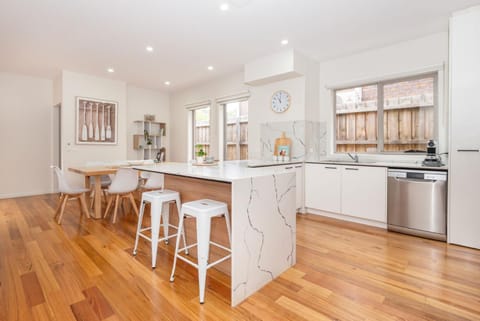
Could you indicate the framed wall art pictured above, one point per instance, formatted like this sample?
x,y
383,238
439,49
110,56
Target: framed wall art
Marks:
x,y
96,121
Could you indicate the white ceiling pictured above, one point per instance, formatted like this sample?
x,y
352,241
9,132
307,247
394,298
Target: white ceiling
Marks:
x,y
42,37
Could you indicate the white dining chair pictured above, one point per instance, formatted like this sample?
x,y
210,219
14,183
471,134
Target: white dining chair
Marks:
x,y
154,181
123,185
67,193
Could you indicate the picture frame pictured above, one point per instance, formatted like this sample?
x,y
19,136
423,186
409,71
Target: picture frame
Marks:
x,y
96,121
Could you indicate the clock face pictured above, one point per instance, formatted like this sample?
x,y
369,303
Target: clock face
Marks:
x,y
280,101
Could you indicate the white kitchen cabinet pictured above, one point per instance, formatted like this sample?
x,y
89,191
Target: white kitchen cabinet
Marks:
x,y
357,191
364,192
464,191
323,187
464,154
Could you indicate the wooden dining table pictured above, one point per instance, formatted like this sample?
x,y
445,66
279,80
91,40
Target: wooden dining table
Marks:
x,y
95,172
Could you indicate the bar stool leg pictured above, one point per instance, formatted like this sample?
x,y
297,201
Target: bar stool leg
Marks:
x,y
154,209
182,230
139,226
177,244
165,219
203,245
227,219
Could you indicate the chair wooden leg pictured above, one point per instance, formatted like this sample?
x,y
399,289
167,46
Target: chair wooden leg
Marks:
x,y
60,201
124,207
132,201
62,208
109,204
83,205
92,198
117,200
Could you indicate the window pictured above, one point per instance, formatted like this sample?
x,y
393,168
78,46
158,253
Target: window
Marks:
x,y
201,128
236,130
390,116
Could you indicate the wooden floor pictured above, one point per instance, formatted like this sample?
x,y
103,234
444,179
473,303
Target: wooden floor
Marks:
x,y
84,270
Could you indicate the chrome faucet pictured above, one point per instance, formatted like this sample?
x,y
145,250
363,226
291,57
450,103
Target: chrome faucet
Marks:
x,y
354,157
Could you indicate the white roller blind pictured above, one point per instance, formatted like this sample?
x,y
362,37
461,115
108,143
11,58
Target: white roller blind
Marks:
x,y
197,105
233,98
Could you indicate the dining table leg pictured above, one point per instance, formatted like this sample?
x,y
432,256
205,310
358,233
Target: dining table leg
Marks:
x,y
97,203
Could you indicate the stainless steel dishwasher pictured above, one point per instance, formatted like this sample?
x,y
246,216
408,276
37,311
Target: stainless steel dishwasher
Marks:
x,y
417,202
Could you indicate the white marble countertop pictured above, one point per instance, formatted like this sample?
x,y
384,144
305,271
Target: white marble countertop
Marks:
x,y
266,163
227,171
389,164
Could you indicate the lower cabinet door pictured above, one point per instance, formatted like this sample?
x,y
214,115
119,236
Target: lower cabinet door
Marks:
x,y
322,187
464,212
364,192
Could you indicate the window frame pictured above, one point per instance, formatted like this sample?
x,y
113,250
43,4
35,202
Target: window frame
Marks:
x,y
193,127
224,125
380,84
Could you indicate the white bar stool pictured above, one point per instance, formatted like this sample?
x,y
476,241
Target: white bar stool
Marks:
x,y
203,211
159,212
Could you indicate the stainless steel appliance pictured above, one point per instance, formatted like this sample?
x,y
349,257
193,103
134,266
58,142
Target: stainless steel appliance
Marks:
x,y
432,159
417,202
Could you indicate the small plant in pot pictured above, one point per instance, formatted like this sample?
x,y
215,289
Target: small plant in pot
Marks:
x,y
200,153
147,138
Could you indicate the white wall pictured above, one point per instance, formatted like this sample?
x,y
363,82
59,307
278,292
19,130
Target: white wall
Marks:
x,y
260,110
399,59
73,85
224,86
142,101
25,135
258,104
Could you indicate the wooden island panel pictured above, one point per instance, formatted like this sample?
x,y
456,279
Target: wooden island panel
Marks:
x,y
192,189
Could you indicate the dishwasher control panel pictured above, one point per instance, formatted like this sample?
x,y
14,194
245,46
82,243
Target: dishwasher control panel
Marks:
x,y
422,175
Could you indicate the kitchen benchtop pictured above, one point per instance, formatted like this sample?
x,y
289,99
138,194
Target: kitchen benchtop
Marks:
x,y
408,165
267,163
227,171
389,164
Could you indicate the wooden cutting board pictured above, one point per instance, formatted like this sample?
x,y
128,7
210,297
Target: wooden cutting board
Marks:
x,y
283,146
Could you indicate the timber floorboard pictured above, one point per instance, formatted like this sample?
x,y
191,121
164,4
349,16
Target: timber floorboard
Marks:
x,y
84,270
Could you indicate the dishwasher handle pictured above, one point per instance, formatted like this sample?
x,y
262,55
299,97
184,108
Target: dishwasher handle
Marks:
x,y
416,180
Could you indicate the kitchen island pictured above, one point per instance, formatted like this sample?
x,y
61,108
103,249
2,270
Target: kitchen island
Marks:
x,y
261,202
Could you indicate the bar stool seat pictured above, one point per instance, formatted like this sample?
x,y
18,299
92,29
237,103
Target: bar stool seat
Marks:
x,y
160,213
202,210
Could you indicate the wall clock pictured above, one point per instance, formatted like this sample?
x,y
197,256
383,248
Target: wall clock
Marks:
x,y
280,101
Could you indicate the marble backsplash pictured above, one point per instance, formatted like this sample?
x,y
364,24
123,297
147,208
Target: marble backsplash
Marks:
x,y
308,139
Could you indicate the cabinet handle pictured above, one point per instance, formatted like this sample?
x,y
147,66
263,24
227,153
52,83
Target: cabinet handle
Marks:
x,y
289,167
298,166
468,150
351,168
330,167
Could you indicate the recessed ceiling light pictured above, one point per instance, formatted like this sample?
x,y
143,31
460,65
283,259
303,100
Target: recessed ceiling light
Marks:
x,y
110,70
167,83
149,48
284,42
224,7
210,67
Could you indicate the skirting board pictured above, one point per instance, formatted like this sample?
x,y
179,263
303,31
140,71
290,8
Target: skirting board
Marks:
x,y
15,195
347,218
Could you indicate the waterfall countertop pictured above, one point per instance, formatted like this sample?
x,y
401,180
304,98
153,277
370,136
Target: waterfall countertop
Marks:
x,y
227,171
263,215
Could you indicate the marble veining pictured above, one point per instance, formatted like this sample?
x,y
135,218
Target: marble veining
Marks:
x,y
279,200
264,218
308,139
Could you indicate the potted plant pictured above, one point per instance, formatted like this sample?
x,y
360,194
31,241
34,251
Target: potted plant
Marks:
x,y
200,153
147,138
